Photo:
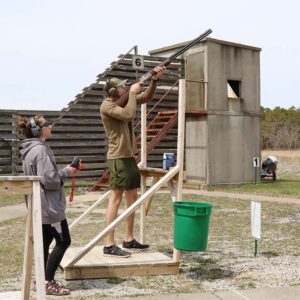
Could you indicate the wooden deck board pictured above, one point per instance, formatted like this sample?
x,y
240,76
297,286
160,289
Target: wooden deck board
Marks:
x,y
95,265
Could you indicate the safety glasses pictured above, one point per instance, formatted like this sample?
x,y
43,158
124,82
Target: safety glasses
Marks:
x,y
46,124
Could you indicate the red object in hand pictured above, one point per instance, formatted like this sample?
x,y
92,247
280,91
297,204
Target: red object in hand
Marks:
x,y
77,164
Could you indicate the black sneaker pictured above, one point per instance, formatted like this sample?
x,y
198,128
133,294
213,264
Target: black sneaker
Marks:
x,y
134,246
115,251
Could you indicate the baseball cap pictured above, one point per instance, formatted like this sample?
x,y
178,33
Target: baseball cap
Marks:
x,y
116,82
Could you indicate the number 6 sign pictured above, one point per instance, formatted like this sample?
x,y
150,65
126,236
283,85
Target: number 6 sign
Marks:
x,y
137,62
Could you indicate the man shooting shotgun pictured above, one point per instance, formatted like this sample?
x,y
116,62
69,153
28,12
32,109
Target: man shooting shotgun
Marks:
x,y
117,113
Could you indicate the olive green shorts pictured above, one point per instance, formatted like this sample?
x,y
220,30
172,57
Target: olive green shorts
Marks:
x,y
124,174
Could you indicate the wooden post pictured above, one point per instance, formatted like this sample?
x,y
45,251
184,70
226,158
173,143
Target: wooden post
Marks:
x,y
29,185
14,146
28,253
180,148
149,201
143,164
143,210
181,137
38,241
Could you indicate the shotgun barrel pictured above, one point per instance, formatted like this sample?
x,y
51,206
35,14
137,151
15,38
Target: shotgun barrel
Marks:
x,y
123,100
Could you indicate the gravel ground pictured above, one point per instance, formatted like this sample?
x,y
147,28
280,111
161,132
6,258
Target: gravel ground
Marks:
x,y
228,274
236,273
225,269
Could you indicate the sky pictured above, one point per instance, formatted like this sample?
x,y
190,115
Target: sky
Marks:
x,y
52,49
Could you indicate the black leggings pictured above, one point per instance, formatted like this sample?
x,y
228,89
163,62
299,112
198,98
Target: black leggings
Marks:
x,y
59,232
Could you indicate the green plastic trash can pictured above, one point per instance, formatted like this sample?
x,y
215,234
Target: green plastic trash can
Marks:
x,y
191,223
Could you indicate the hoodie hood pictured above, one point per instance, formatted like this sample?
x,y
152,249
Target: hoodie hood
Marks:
x,y
28,144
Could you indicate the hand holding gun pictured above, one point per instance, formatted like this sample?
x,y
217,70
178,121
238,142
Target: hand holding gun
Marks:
x,y
78,166
76,163
156,72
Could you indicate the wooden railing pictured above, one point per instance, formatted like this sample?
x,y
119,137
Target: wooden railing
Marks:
x,y
29,186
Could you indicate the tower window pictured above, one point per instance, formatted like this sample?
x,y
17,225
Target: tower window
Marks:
x,y
233,89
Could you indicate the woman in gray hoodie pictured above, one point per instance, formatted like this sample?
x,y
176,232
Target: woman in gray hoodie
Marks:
x,y
38,160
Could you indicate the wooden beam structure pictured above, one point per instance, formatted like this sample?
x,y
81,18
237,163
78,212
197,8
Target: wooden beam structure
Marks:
x,y
30,186
78,130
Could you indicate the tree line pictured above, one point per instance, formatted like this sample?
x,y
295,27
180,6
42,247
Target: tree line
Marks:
x,y
280,128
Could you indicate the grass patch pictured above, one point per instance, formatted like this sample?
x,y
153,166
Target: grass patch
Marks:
x,y
81,188
79,184
6,200
229,229
12,235
116,280
247,285
284,188
270,253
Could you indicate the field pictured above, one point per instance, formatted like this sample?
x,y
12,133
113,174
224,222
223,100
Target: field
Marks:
x,y
288,163
288,178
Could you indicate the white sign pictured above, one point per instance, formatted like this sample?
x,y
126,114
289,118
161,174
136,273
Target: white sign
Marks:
x,y
255,219
138,62
255,162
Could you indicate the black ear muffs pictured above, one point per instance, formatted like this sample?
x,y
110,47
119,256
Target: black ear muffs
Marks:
x,y
35,129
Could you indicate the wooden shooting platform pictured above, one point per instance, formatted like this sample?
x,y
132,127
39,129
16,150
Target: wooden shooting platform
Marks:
x,y
89,261
95,265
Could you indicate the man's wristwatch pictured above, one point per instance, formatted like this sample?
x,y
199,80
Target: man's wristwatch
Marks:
x,y
155,80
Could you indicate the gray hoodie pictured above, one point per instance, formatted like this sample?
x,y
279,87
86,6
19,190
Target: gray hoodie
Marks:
x,y
38,160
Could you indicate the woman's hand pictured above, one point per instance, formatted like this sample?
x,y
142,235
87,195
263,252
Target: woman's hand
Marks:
x,y
72,170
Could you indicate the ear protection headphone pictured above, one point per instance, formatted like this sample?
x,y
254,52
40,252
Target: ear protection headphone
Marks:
x,y
35,129
111,91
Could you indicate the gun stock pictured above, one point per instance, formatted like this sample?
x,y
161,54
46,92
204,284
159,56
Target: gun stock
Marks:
x,y
123,100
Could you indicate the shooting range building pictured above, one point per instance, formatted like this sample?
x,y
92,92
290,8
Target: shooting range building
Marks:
x,y
223,111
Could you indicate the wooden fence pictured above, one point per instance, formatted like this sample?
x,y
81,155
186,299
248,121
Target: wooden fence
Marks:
x,y
78,129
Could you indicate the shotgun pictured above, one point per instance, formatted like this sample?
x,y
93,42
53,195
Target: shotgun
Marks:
x,y
123,100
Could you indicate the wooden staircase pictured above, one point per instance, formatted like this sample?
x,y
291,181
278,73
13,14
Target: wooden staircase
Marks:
x,y
157,129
